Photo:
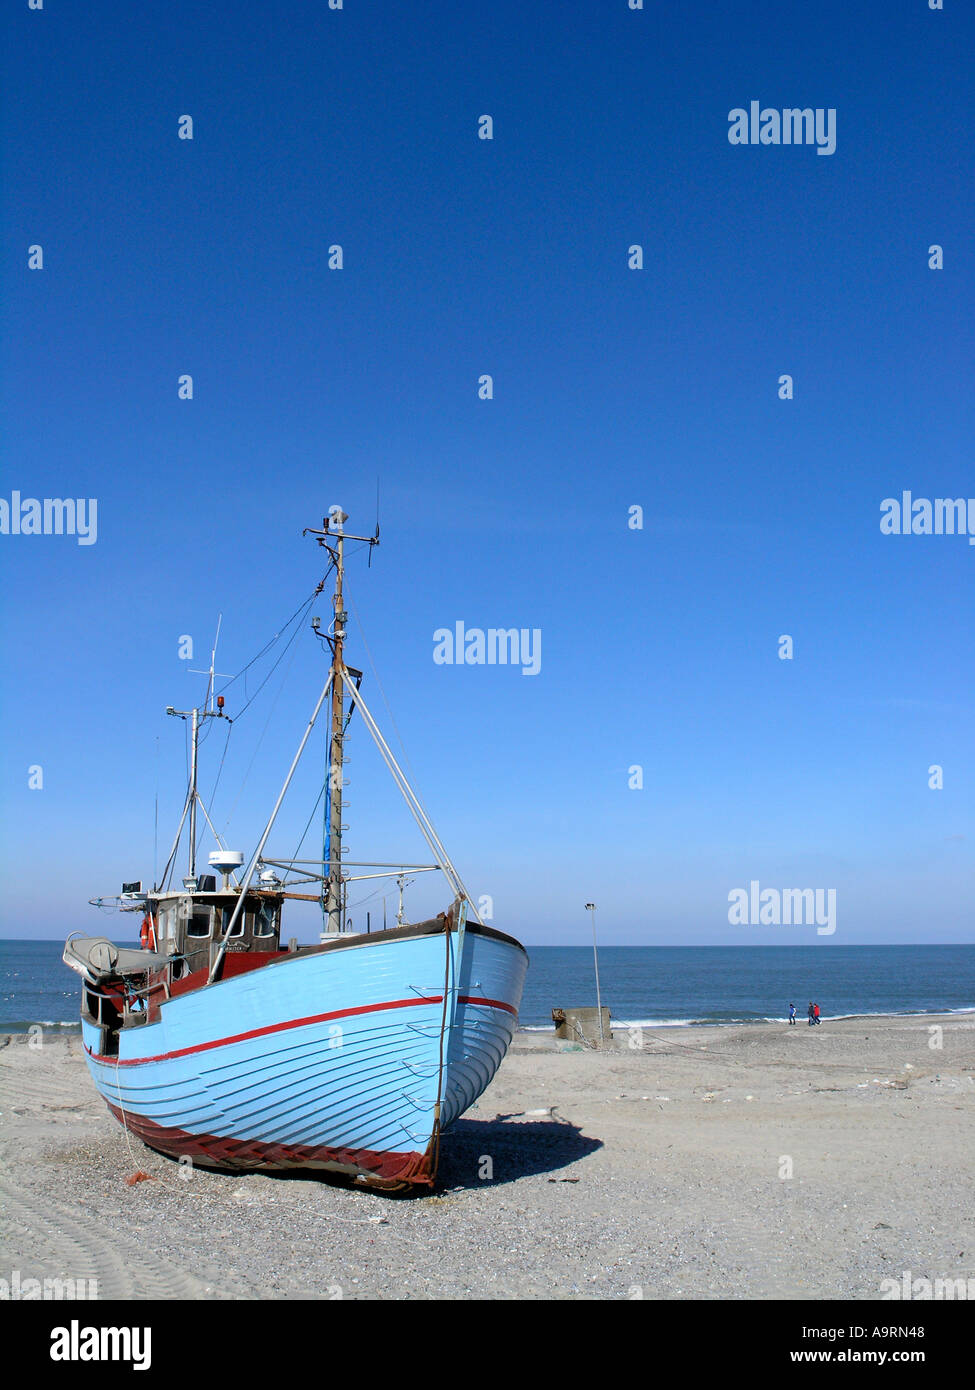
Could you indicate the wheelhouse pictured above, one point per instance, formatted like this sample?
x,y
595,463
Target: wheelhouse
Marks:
x,y
180,940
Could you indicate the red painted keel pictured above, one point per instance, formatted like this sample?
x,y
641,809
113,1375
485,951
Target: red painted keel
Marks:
x,y
390,1171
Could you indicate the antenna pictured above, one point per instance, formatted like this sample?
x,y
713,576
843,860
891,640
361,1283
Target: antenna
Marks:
x,y
224,675
197,716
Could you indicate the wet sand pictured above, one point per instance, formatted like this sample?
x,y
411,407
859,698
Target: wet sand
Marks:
x,y
734,1163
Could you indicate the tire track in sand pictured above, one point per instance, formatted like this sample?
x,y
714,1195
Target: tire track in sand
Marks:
x,y
44,1239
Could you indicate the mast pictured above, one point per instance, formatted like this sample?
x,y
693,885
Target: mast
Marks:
x,y
196,715
196,739
193,796
332,536
334,906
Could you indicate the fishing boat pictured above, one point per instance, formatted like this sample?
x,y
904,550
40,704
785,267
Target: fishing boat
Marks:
x,y
212,1041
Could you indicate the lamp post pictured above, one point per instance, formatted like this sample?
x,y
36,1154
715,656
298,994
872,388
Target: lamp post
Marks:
x,y
591,907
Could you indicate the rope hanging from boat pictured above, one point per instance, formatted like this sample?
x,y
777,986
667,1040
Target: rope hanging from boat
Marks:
x,y
436,1130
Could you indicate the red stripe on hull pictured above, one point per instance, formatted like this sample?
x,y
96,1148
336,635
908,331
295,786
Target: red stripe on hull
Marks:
x,y
390,1171
489,1003
294,1023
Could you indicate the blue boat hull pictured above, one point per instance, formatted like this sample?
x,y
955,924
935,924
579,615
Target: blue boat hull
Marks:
x,y
352,1059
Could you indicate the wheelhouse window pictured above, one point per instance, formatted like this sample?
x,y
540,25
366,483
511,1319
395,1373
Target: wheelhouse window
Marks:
x,y
266,921
200,922
238,930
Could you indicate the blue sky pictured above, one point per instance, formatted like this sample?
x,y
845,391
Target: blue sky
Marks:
x,y
612,388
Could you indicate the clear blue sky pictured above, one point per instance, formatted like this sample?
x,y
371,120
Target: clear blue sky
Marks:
x,y
612,387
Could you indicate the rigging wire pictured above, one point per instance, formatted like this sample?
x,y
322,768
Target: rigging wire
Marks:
x,y
170,862
361,902
308,824
305,603
304,607
213,792
392,718
204,733
267,722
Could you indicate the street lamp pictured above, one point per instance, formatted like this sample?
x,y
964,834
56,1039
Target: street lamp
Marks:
x,y
591,907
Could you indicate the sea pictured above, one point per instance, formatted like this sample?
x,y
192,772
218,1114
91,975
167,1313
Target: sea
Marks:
x,y
644,986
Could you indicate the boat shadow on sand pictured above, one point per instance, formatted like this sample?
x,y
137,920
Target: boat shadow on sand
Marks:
x,y
516,1147
475,1153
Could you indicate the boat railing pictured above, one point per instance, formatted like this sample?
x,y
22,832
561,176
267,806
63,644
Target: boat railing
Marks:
x,y
162,984
100,996
125,1005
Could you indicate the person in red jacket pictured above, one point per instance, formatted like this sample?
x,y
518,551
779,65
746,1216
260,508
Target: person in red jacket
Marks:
x,y
816,1012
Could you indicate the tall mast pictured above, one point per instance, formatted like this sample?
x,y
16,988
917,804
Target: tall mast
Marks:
x,y
196,734
334,906
332,536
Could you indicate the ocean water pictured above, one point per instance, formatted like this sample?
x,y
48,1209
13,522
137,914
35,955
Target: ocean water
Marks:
x,y
36,986
648,985
669,985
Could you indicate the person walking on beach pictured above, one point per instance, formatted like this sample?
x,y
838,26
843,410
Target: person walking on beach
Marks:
x,y
792,1014
812,1013
815,1013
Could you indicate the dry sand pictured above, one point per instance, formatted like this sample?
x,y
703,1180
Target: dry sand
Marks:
x,y
659,1171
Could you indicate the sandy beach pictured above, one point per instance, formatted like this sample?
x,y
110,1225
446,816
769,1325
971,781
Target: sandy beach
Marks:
x,y
749,1162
